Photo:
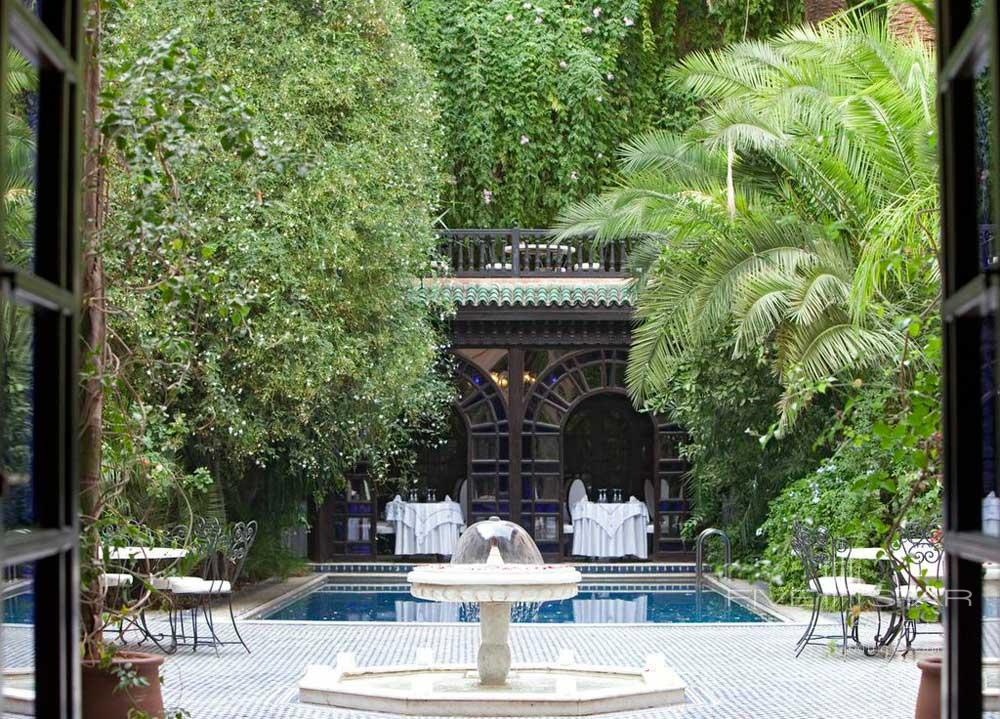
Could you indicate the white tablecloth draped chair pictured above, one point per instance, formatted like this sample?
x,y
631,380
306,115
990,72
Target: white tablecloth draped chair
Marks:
x,y
650,497
577,493
463,499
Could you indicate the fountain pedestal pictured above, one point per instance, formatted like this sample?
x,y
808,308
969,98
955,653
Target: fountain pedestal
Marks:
x,y
493,658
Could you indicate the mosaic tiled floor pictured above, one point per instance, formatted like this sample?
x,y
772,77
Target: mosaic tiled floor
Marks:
x,y
736,672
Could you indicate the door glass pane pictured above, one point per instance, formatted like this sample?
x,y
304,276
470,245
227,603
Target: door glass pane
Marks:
x,y
484,447
16,412
991,639
34,6
18,646
22,127
985,164
546,529
484,488
989,377
546,447
547,487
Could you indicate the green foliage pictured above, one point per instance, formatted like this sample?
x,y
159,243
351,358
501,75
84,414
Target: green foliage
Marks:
x,y
885,471
272,173
786,259
16,245
800,211
536,96
726,405
271,559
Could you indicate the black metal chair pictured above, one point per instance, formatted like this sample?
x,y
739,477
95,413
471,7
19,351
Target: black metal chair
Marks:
x,y
203,538
222,572
820,553
917,555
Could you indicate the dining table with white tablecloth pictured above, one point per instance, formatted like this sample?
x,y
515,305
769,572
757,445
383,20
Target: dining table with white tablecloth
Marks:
x,y
612,529
425,527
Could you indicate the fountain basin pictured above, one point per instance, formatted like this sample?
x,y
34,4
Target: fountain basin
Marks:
x,y
530,690
493,583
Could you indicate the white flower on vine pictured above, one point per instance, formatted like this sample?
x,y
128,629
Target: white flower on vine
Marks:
x,y
538,19
563,65
597,12
509,17
587,30
629,22
610,76
574,175
525,140
487,197
600,99
527,6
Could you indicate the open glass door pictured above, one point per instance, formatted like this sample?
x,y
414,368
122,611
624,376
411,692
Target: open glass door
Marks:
x,y
40,74
970,261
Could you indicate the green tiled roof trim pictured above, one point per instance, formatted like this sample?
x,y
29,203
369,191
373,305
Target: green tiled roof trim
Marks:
x,y
532,295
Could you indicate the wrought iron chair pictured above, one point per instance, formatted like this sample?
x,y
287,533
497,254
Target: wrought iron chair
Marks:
x,y
118,585
222,574
819,551
204,538
917,556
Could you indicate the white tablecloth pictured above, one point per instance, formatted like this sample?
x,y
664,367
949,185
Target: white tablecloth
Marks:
x,y
425,528
610,611
610,530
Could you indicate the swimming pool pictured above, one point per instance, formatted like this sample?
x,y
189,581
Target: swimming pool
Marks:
x,y
595,604
19,609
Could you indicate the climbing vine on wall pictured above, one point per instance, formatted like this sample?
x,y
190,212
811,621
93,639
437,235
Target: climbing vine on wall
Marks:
x,y
537,95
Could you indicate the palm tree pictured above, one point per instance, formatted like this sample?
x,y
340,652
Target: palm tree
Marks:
x,y
791,214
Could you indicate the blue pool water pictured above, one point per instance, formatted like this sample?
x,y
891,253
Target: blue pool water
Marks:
x,y
19,609
657,604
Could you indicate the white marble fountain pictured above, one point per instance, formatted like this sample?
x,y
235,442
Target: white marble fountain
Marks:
x,y
496,563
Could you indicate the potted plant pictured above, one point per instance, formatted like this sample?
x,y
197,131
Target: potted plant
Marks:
x,y
117,683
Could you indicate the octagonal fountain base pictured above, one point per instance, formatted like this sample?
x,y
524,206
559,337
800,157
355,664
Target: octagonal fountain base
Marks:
x,y
531,689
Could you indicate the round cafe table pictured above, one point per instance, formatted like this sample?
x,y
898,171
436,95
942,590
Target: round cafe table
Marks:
x,y
146,556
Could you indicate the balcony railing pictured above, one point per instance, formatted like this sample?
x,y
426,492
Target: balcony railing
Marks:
x,y
529,253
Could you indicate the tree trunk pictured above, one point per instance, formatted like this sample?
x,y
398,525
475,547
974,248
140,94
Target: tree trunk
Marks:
x,y
93,319
905,22
818,10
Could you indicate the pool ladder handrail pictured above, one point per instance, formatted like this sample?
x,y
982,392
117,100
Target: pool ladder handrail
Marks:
x,y
699,551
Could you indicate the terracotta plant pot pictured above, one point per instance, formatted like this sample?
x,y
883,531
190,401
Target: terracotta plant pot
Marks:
x,y
101,701
929,693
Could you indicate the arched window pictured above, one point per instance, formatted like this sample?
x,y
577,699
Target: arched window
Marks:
x,y
550,433
482,405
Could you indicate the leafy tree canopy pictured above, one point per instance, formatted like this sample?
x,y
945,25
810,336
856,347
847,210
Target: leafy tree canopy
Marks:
x,y
272,174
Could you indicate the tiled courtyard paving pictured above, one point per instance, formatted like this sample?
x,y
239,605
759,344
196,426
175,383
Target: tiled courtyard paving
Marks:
x,y
732,672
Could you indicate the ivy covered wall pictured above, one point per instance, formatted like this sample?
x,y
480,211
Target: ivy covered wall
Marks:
x,y
536,96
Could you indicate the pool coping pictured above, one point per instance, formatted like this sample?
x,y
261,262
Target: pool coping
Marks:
x,y
773,615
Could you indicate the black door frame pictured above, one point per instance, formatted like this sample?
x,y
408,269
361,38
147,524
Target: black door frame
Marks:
x,y
49,35
967,50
